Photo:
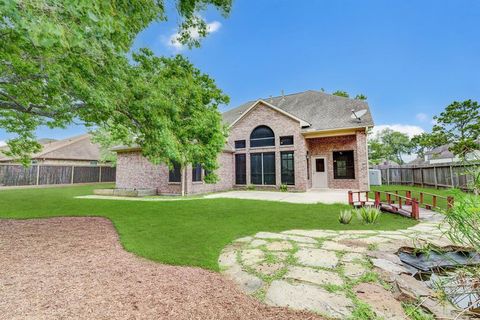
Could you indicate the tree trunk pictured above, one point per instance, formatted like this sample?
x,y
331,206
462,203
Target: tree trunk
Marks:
x,y
183,181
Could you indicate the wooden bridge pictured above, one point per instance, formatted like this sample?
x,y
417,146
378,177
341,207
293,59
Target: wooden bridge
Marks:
x,y
402,202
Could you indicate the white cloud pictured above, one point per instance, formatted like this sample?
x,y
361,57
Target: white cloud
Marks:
x,y
405,128
172,40
2,143
421,117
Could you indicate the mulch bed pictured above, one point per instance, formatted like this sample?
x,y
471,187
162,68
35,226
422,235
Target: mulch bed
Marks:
x,y
63,268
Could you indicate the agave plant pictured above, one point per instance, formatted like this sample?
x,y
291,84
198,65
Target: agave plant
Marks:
x,y
345,216
368,215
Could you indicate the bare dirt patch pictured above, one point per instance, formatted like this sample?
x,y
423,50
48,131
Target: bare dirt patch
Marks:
x,y
76,268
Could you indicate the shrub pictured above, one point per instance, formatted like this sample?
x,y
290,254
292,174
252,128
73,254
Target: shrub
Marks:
x,y
368,215
345,216
283,188
251,187
464,221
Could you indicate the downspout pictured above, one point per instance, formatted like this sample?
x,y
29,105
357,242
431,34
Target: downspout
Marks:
x,y
368,160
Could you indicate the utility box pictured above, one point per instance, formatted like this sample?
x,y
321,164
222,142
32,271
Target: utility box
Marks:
x,y
375,177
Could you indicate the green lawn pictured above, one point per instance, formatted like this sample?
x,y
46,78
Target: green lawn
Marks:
x,y
189,232
416,190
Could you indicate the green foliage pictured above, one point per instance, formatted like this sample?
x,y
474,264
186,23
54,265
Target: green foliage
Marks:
x,y
389,145
283,187
368,215
460,124
427,141
62,61
341,93
185,232
464,221
251,187
415,312
361,96
345,216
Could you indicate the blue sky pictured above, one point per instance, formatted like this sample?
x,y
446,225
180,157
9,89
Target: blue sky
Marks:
x,y
411,58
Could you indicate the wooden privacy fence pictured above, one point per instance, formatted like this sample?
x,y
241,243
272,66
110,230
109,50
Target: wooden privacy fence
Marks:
x,y
17,175
446,176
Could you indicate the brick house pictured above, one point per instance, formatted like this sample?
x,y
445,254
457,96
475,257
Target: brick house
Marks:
x,y
304,140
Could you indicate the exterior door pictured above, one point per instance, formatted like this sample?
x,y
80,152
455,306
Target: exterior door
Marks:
x,y
319,174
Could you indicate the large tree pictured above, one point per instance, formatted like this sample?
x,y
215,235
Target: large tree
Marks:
x,y
65,61
460,125
389,145
427,141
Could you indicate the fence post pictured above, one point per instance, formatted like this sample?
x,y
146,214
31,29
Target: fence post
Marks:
x,y
38,174
71,178
435,177
388,176
421,174
451,177
450,201
377,199
415,209
350,197
408,195
100,174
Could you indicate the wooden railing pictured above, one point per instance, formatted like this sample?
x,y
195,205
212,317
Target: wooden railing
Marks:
x,y
396,202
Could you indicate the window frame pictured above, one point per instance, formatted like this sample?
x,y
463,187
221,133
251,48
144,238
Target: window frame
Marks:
x,y
256,142
287,137
238,175
262,172
174,174
291,161
349,164
244,142
197,173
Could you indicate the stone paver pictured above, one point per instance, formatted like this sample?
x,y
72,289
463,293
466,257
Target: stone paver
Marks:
x,y
354,270
252,256
309,297
381,301
316,258
321,277
309,261
279,246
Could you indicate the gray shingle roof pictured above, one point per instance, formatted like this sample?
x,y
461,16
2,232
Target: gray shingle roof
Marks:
x,y
323,111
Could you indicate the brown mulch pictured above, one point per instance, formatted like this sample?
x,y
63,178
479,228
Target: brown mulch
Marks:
x,y
75,268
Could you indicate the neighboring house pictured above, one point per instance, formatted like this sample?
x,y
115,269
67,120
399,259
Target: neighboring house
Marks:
x,y
304,140
79,150
442,155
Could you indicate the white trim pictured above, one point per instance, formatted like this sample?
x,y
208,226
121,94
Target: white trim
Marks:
x,y
303,123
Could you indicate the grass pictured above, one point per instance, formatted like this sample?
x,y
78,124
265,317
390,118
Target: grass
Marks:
x,y
183,232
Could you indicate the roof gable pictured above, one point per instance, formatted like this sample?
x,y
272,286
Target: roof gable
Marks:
x,y
301,122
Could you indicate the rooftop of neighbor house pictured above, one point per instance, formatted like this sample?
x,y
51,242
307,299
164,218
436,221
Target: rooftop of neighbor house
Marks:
x,y
318,110
75,148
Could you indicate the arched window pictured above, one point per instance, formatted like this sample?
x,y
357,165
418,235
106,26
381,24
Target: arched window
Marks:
x,y
262,136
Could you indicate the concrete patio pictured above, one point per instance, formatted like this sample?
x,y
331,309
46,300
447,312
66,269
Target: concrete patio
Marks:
x,y
312,196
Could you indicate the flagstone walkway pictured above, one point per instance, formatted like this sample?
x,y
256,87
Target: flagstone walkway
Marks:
x,y
333,272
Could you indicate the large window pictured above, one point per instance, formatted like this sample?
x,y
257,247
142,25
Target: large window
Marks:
x,y
197,172
175,174
343,165
240,169
262,168
262,136
288,167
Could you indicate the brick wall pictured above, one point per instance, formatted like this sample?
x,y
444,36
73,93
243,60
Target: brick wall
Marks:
x,y
325,147
135,172
281,126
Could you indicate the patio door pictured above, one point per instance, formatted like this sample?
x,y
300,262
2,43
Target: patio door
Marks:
x,y
319,173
